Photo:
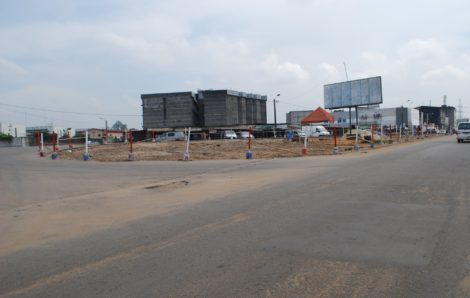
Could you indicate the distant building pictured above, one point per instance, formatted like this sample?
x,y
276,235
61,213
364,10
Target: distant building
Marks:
x,y
14,130
101,134
294,118
443,117
205,109
50,128
366,116
380,116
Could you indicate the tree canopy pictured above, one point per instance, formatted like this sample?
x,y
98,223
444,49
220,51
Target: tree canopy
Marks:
x,y
118,125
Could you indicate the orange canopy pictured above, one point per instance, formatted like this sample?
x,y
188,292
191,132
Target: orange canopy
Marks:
x,y
318,116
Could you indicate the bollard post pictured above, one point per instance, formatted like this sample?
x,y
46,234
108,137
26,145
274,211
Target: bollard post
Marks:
x,y
41,153
86,156
372,144
55,139
249,154
334,133
381,134
335,148
39,143
130,139
53,142
186,153
131,156
356,146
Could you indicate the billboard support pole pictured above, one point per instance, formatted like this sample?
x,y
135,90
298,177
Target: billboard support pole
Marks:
x,y
356,146
350,120
357,116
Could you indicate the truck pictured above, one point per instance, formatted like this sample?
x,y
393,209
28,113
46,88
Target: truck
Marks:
x,y
315,131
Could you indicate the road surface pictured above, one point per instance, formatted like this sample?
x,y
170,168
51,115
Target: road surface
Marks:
x,y
393,222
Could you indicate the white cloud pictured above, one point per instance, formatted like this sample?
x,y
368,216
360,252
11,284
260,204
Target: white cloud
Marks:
x,y
10,70
266,46
331,71
444,74
466,57
421,50
287,70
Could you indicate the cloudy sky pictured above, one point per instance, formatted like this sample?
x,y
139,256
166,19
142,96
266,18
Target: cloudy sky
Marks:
x,y
97,57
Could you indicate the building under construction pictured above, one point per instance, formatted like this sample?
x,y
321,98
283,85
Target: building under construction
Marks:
x,y
443,117
205,109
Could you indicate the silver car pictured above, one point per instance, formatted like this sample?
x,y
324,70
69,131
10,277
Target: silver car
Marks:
x,y
171,136
463,132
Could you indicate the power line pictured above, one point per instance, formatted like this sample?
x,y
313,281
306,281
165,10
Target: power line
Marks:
x,y
69,112
11,110
294,105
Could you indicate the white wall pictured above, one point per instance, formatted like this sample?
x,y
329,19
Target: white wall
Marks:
x,y
15,130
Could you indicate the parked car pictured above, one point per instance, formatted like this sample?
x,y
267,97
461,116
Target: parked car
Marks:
x,y
171,136
245,135
229,134
463,132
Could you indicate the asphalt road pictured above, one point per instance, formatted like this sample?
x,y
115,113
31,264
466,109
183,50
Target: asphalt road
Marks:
x,y
393,222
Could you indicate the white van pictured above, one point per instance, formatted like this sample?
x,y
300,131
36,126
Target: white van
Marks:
x,y
315,131
463,132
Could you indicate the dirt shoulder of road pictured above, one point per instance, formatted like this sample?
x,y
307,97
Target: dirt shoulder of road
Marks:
x,y
217,149
221,149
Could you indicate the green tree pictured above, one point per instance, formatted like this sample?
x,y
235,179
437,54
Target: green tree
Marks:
x,y
119,126
5,137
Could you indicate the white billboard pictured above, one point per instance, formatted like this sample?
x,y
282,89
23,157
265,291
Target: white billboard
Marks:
x,y
363,92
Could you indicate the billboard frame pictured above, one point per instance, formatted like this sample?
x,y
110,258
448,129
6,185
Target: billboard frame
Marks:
x,y
347,87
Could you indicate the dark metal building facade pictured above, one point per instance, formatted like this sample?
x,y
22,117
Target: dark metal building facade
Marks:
x,y
207,108
169,110
443,116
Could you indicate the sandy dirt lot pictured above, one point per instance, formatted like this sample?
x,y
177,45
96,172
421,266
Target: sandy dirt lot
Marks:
x,y
212,150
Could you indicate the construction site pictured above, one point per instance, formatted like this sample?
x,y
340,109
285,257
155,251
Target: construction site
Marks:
x,y
236,149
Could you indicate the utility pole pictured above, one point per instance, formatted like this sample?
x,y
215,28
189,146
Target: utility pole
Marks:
x,y
106,133
105,136
275,114
460,109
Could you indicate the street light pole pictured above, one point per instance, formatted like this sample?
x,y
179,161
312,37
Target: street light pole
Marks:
x,y
105,129
402,118
275,114
402,124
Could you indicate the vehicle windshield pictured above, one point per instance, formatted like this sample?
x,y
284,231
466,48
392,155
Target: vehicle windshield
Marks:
x,y
464,126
